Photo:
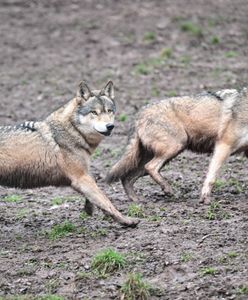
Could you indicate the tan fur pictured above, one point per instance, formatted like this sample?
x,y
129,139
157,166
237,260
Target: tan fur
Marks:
x,y
207,122
57,151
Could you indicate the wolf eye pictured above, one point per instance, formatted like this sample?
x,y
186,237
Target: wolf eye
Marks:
x,y
110,110
94,113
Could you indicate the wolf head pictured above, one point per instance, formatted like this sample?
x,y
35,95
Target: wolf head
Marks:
x,y
96,109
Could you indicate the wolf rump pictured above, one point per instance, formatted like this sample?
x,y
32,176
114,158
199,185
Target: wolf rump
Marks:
x,y
56,151
209,122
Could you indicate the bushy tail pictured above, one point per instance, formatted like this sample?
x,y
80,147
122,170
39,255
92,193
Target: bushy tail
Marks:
x,y
129,160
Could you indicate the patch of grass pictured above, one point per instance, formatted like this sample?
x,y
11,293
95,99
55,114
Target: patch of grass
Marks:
x,y
24,82
128,38
155,92
148,66
155,218
99,232
82,275
83,216
149,37
192,28
230,54
142,69
172,94
135,288
185,59
122,117
107,262
26,271
212,211
219,184
166,53
236,185
96,153
57,201
232,254
115,152
228,256
214,40
135,257
185,257
242,290
61,230
208,271
135,210
22,213
12,198
51,286
50,297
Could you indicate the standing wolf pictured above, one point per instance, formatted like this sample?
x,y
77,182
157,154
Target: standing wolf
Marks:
x,y
56,151
208,122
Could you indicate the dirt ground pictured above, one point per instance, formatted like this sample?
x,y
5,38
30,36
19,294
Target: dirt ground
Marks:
x,y
150,49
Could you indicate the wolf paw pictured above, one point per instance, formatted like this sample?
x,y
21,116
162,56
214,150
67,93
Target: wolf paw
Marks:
x,y
167,189
131,222
205,199
89,207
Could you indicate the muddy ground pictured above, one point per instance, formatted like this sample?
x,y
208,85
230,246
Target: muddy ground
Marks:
x,y
47,47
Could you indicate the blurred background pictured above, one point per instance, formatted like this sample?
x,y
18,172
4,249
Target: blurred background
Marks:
x,y
150,49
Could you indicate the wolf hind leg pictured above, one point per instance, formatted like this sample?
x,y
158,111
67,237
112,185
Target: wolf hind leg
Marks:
x,y
129,181
163,153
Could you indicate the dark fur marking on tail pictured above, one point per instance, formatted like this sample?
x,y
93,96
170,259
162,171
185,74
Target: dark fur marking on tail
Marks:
x,y
210,93
29,125
214,95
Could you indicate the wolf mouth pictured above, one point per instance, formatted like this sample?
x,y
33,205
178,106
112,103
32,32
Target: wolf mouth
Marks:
x,y
106,133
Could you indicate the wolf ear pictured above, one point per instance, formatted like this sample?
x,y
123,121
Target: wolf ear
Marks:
x,y
108,90
83,90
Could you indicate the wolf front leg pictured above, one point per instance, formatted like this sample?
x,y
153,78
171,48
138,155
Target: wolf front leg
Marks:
x,y
221,152
87,185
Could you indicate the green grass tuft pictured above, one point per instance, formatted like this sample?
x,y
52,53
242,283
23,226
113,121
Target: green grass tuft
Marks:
x,y
192,28
230,54
135,288
142,69
96,153
61,230
12,198
208,271
185,257
243,290
84,216
135,210
166,53
215,40
57,201
149,37
122,117
107,262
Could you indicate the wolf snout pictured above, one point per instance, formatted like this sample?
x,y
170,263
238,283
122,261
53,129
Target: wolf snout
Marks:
x,y
110,126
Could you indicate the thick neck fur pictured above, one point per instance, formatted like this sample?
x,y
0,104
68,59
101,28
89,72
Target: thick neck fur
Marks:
x,y
66,118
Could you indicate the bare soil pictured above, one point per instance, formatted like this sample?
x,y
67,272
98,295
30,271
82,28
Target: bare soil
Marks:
x,y
47,47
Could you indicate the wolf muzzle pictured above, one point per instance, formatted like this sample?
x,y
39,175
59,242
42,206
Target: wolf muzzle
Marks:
x,y
109,127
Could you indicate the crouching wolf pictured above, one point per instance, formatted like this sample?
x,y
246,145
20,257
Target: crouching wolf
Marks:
x,y
209,122
56,151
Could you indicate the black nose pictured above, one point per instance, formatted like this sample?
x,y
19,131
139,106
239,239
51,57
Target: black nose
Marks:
x,y
110,126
